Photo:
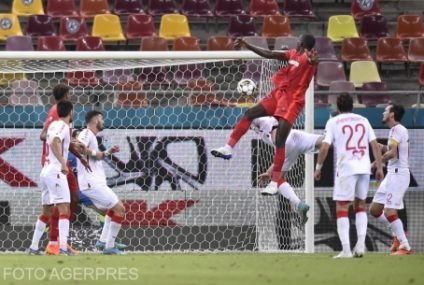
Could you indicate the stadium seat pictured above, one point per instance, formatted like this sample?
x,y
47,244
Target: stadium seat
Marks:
x,y
224,8
196,8
173,26
73,28
362,72
340,86
201,92
329,71
19,43
24,93
264,8
90,44
118,76
186,72
359,9
390,50
40,25
61,8
162,7
325,49
341,27
299,8
220,43
276,26
257,41
155,75
416,50
354,49
108,27
27,8
129,96
285,43
153,44
241,26
50,43
126,7
9,26
91,8
374,27
377,99
409,26
138,26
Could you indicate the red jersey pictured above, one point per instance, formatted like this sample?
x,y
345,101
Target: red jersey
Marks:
x,y
290,74
51,117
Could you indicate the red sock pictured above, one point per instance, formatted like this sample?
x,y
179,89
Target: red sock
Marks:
x,y
279,157
73,209
240,129
54,225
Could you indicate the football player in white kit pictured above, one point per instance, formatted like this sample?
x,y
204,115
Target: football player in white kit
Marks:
x,y
53,178
93,184
389,196
298,142
351,135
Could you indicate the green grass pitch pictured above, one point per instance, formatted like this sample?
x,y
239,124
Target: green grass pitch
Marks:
x,y
211,269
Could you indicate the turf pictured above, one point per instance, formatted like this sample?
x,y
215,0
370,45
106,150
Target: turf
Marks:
x,y
223,268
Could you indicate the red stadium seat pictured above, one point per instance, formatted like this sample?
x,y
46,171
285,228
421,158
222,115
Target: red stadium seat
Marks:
x,y
359,9
220,43
90,44
409,26
91,8
154,75
354,49
416,50
73,28
390,50
196,8
162,7
264,8
225,8
61,8
299,8
139,26
50,43
126,7
276,26
241,26
40,25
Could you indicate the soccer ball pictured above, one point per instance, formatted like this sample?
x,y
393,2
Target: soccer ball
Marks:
x,y
246,87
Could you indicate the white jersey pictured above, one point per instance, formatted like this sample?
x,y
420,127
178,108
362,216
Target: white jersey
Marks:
x,y
97,176
399,135
297,143
57,129
351,134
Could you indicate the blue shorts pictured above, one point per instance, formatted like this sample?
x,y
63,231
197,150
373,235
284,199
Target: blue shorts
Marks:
x,y
85,200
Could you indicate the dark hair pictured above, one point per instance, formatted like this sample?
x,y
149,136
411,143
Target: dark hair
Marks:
x,y
75,132
60,91
398,111
345,102
90,115
64,108
308,41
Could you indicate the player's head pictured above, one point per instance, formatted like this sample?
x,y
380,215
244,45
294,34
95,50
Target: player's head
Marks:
x,y
307,42
393,113
75,133
95,119
61,92
344,103
65,110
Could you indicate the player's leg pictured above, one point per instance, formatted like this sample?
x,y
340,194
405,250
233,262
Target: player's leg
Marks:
x,y
53,245
361,218
394,202
117,216
264,108
344,192
64,216
287,191
377,209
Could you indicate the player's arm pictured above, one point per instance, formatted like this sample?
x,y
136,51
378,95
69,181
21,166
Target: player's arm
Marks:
x,y
43,134
392,150
55,146
280,55
77,149
322,155
95,154
318,142
379,175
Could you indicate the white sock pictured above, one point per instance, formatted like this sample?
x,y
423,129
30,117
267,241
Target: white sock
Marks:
x,y
112,234
105,230
343,231
382,218
397,228
40,226
361,221
63,233
228,147
287,191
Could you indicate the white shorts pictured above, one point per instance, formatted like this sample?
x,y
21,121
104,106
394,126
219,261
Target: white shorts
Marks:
x,y
346,188
102,196
392,189
55,186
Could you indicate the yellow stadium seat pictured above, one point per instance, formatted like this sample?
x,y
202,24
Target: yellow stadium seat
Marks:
x,y
363,71
108,27
341,27
9,26
27,7
174,26
7,78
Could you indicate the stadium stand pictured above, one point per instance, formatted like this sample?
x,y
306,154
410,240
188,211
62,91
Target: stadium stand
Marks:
x,y
374,27
61,8
276,26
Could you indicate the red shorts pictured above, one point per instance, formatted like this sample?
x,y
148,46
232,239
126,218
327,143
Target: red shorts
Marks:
x,y
72,180
279,105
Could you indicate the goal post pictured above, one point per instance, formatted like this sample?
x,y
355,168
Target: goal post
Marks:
x,y
166,110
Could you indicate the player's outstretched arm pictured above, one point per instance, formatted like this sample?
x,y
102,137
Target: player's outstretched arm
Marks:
x,y
379,175
78,149
322,155
280,55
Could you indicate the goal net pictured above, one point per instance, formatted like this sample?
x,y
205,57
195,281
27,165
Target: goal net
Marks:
x,y
166,111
